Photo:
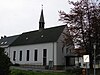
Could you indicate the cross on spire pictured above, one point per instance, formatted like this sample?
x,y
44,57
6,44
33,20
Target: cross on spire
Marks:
x,y
42,6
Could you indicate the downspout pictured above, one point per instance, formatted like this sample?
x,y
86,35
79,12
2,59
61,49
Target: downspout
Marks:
x,y
53,55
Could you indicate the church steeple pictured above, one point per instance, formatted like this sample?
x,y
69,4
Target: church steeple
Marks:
x,y
41,21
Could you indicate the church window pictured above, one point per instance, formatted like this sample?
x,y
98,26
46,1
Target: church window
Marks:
x,y
20,57
27,56
14,55
35,55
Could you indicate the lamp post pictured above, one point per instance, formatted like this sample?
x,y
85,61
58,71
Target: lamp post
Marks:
x,y
94,46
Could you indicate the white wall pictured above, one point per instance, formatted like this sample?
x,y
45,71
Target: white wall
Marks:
x,y
59,53
51,47
7,51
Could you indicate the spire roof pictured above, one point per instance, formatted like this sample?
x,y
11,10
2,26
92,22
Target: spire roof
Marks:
x,y
41,17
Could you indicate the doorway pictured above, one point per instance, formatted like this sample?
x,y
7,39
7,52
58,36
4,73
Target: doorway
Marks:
x,y
44,57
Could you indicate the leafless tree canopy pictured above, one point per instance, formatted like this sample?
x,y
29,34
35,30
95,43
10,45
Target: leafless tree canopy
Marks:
x,y
83,23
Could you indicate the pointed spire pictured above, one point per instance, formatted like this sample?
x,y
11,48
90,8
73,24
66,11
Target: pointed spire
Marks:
x,y
41,21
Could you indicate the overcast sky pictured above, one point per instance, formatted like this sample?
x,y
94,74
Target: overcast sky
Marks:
x,y
18,16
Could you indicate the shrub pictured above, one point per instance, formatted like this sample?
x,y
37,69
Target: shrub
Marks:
x,y
74,70
4,63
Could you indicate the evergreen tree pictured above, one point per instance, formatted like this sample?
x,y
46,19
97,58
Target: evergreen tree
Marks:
x,y
4,63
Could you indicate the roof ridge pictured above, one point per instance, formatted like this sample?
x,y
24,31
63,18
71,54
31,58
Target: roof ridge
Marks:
x,y
43,29
55,27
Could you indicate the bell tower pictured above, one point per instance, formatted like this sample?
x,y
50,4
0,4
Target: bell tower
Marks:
x,y
41,21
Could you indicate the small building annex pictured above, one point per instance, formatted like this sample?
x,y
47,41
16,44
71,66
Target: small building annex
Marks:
x,y
40,47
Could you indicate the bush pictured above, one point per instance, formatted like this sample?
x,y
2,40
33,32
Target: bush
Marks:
x,y
74,70
4,63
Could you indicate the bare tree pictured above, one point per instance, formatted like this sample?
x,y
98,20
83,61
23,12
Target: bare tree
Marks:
x,y
83,23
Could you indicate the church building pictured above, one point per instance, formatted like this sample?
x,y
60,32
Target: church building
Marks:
x,y
43,47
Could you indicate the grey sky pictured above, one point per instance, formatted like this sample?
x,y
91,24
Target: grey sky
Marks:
x,y
18,16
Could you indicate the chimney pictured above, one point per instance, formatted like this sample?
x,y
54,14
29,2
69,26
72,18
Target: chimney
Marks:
x,y
5,36
1,37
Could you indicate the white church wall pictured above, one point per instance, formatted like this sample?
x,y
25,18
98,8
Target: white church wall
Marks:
x,y
51,47
55,53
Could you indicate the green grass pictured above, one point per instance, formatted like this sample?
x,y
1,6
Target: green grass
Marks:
x,y
21,72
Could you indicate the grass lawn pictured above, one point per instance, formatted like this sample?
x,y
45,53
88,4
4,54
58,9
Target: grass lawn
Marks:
x,y
21,72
